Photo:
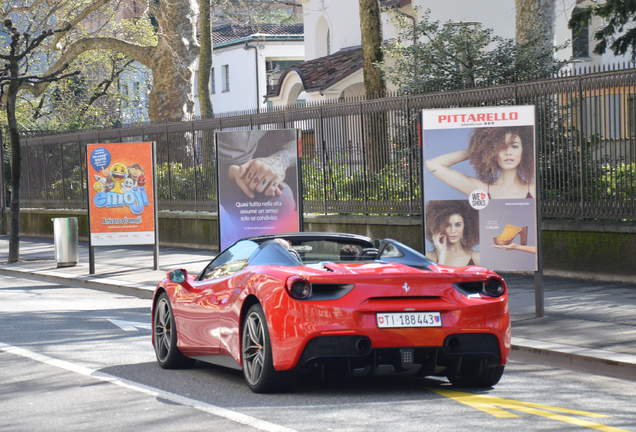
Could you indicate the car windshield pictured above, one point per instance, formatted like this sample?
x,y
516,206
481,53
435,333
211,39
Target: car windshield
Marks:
x,y
317,250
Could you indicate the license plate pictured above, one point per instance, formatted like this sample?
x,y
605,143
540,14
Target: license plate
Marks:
x,y
408,319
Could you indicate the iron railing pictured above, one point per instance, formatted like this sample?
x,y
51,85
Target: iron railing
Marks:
x,y
363,156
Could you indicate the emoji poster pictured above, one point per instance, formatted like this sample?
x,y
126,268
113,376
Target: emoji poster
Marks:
x,y
120,193
479,180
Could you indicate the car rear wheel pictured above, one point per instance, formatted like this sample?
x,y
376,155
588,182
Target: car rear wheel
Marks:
x,y
258,366
165,337
478,377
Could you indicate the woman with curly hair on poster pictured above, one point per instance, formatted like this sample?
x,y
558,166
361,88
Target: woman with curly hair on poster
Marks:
x,y
503,159
453,229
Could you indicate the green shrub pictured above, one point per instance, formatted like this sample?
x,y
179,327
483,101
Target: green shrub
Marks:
x,y
617,181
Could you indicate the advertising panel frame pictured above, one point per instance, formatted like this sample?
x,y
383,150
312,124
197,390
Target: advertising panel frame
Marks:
x,y
298,187
460,166
154,207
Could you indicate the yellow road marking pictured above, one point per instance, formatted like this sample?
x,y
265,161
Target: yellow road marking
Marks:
x,y
497,407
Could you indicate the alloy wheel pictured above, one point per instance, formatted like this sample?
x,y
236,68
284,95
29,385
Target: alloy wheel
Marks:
x,y
253,347
163,330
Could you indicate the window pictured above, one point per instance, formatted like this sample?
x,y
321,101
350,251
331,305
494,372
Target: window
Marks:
x,y
124,96
580,41
274,69
225,78
231,261
212,82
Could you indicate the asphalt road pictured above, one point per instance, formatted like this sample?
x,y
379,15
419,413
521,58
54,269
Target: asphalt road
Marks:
x,y
77,359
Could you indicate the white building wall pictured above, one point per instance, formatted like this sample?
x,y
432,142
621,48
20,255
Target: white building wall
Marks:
x,y
343,18
563,35
498,15
242,93
242,88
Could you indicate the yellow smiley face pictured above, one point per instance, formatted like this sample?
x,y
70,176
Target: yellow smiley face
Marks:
x,y
118,171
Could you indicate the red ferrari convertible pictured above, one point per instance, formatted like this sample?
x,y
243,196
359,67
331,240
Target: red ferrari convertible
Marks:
x,y
276,305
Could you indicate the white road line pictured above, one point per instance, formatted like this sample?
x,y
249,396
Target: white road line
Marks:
x,y
129,326
122,382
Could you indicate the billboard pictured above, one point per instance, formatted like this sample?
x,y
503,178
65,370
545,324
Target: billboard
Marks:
x,y
258,183
121,193
480,187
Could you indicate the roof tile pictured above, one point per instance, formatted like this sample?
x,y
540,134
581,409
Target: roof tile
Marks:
x,y
323,72
232,32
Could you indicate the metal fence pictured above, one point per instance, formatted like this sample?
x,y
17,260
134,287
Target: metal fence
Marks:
x,y
363,156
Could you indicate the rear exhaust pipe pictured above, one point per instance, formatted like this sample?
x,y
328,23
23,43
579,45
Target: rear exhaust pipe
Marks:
x,y
362,345
453,344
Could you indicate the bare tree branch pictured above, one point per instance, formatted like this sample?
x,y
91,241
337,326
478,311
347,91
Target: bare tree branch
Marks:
x,y
92,7
139,53
102,88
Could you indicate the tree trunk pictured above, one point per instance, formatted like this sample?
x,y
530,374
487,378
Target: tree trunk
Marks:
x,y
371,32
535,17
14,140
375,135
205,59
171,96
172,61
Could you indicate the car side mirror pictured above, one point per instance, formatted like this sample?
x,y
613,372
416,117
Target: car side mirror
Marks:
x,y
180,276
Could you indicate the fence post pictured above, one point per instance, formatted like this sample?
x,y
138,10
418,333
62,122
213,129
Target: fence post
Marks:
x,y
580,140
194,165
167,137
325,162
62,175
410,148
364,159
83,172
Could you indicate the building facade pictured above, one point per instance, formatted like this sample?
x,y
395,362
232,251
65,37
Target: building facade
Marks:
x,y
333,66
248,59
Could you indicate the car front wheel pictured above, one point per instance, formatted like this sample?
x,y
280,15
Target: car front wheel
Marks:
x,y
165,337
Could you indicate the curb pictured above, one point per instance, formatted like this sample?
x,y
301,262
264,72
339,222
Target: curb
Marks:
x,y
106,284
601,362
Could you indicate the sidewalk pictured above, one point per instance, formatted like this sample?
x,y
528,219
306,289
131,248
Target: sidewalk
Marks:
x,y
588,324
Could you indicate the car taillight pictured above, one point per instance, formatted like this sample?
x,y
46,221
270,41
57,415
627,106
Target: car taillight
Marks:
x,y
298,287
493,287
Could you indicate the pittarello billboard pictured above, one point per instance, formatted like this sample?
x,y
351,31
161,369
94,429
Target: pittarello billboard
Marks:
x,y
258,183
120,193
480,187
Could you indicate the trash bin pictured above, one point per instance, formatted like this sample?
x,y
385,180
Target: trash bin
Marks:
x,y
66,241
